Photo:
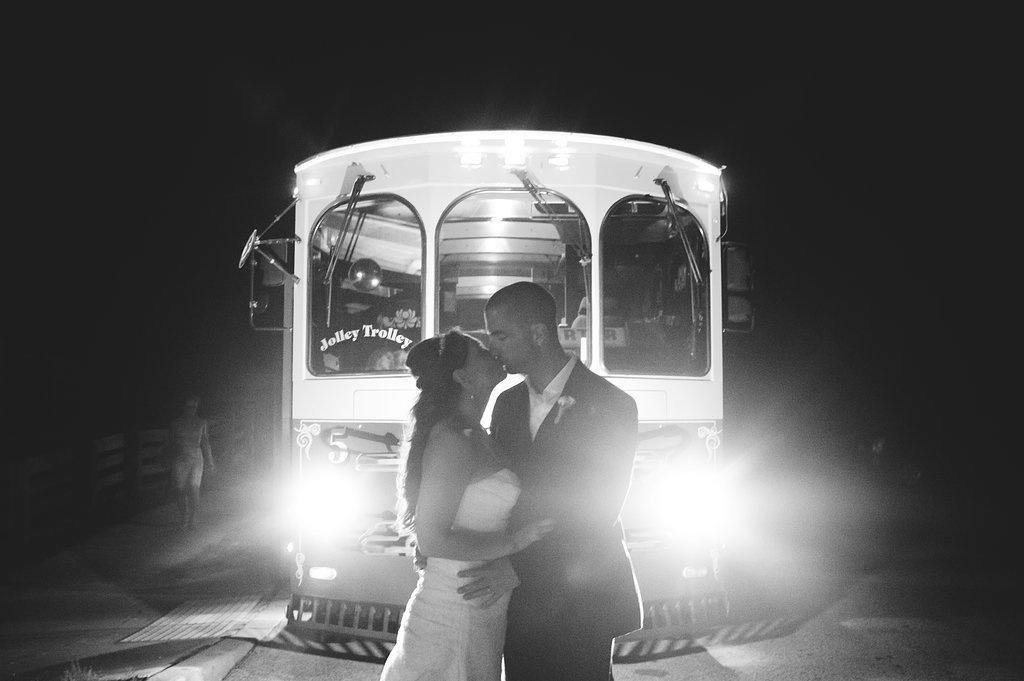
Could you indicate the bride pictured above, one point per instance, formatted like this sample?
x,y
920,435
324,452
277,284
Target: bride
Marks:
x,y
455,495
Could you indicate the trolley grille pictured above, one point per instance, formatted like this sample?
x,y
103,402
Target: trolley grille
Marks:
x,y
368,620
662,619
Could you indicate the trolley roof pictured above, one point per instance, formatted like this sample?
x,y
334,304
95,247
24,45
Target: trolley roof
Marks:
x,y
528,140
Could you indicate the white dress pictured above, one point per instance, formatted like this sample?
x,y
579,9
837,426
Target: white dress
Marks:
x,y
443,637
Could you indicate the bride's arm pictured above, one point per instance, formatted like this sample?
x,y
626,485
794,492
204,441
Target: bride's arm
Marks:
x,y
448,465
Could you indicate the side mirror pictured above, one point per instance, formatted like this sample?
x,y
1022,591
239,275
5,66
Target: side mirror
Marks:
x,y
270,276
269,256
260,303
738,305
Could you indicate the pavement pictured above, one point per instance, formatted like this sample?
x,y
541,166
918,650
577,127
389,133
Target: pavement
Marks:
x,y
145,599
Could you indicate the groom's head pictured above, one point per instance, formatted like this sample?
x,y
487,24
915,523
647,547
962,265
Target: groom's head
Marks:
x,y
521,325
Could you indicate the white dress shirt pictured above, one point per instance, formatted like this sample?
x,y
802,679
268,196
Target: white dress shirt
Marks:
x,y
542,402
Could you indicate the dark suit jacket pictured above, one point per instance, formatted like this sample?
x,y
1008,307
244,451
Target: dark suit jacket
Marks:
x,y
576,471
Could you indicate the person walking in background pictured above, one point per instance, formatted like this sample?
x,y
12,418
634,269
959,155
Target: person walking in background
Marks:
x,y
571,437
189,440
455,496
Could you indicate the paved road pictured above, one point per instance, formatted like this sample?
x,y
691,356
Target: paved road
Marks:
x,y
853,582
141,595
833,579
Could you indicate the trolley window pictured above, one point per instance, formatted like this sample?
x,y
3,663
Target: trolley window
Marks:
x,y
365,286
654,285
491,238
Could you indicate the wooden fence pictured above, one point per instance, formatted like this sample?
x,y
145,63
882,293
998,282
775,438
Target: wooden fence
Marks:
x,y
65,490
128,472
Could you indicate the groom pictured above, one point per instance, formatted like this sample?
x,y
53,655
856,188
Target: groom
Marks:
x,y
570,435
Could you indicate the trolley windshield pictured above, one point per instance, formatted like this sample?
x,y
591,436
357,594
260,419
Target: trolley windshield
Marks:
x,y
654,290
493,237
365,291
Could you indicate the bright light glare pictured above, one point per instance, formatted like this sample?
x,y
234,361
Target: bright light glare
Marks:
x,y
705,185
323,505
323,573
692,502
470,155
514,159
500,209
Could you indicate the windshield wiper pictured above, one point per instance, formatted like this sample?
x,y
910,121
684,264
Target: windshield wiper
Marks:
x,y
579,241
357,189
695,269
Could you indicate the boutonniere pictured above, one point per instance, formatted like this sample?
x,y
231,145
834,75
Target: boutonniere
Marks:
x,y
564,403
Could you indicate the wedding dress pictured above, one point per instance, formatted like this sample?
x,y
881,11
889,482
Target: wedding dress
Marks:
x,y
443,637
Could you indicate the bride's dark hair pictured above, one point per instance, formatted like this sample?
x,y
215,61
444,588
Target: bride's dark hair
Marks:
x,y
431,361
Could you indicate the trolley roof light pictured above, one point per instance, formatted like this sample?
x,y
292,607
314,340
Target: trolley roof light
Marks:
x,y
477,145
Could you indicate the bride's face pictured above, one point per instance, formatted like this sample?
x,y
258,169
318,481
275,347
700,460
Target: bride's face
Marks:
x,y
485,372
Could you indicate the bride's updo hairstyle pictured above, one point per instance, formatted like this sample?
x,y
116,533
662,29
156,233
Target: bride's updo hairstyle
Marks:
x,y
431,361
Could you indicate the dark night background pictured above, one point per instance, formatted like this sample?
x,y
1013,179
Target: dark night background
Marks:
x,y
859,186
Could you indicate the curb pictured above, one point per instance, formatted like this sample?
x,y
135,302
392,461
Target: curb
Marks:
x,y
212,664
215,662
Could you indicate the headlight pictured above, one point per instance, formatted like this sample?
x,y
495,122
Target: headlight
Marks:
x,y
688,501
325,504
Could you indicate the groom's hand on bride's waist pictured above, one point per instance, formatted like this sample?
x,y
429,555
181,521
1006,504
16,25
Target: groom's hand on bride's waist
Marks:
x,y
489,582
